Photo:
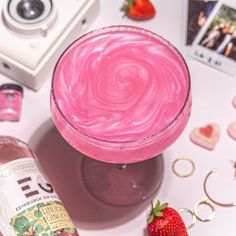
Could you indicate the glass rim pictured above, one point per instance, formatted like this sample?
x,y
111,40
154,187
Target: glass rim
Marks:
x,y
142,30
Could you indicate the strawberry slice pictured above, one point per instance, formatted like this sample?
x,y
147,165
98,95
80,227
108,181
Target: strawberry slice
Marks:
x,y
165,221
138,9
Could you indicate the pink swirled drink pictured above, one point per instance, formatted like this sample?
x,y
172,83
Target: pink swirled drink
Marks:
x,y
121,94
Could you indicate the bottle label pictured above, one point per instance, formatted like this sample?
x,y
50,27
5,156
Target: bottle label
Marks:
x,y
28,202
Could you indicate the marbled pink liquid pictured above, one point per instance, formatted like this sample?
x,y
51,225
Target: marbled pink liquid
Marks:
x,y
121,94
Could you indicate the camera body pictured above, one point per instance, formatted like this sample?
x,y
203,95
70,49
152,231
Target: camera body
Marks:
x,y
34,33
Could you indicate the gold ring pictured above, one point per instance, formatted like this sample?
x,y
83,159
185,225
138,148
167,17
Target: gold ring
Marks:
x,y
192,215
231,204
183,159
207,202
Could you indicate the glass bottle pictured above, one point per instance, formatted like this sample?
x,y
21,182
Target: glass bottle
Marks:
x,y
29,204
10,102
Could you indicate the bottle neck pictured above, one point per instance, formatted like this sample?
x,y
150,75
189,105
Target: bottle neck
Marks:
x,y
13,149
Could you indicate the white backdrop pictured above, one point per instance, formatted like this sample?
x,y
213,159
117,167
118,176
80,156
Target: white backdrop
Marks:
x,y
212,93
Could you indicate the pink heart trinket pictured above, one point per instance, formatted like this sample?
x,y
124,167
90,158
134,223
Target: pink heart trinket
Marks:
x,y
234,102
231,130
206,136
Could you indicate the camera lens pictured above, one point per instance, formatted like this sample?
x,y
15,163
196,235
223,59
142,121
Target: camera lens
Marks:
x,y
30,9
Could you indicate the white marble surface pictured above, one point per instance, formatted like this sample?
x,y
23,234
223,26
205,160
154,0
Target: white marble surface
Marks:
x,y
212,93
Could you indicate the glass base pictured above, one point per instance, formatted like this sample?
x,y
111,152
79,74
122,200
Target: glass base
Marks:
x,y
122,185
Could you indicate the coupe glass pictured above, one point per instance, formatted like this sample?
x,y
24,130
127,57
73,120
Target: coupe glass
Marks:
x,y
121,95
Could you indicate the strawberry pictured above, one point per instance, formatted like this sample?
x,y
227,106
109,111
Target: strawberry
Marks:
x,y
138,9
165,221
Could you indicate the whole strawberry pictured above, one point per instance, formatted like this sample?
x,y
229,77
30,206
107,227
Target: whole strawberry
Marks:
x,y
138,9
165,221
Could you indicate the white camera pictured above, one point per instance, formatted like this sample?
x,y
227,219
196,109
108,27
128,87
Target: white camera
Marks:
x,y
34,33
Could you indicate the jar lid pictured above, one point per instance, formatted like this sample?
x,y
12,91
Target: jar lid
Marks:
x,y
12,86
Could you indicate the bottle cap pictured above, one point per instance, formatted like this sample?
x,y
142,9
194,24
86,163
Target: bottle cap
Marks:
x,y
12,86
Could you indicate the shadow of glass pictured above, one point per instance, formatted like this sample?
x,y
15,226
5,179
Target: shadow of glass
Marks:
x,y
61,163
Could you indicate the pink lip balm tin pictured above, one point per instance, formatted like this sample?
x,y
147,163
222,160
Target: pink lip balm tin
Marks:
x,y
10,102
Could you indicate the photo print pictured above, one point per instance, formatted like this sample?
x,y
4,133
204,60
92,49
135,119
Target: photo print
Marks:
x,y
198,12
215,43
221,34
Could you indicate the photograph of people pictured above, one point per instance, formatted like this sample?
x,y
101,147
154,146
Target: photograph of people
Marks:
x,y
221,34
230,49
198,12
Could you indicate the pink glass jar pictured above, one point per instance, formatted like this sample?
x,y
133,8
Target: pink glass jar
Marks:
x,y
10,102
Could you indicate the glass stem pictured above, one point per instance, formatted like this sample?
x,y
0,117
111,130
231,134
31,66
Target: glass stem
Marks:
x,y
121,166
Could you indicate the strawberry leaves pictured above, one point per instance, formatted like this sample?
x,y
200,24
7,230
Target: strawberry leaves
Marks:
x,y
156,211
127,5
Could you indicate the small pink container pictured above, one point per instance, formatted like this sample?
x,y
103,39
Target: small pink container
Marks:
x,y
10,102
